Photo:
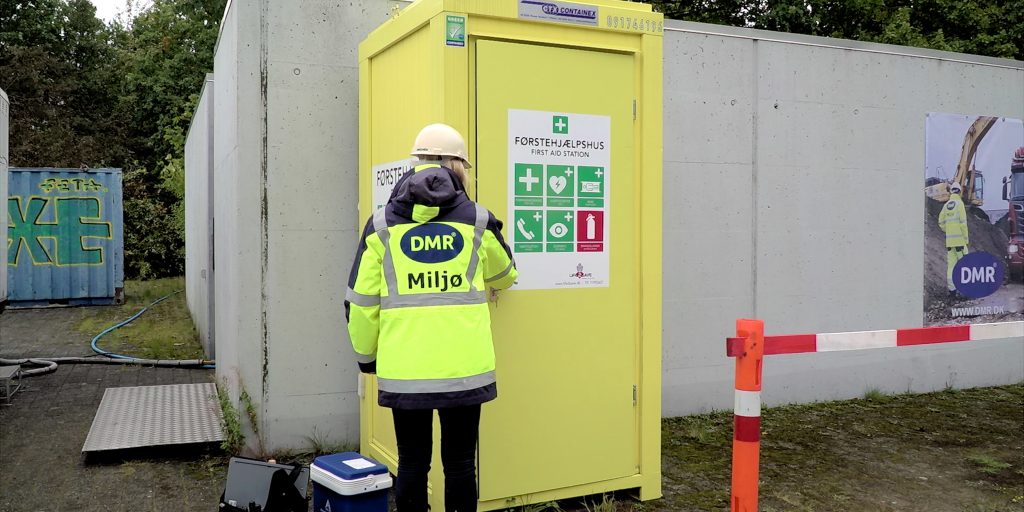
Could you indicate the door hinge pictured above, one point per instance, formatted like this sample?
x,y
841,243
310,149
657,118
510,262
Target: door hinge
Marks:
x,y
634,110
634,395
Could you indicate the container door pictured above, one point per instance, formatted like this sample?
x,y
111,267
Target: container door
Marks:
x,y
555,157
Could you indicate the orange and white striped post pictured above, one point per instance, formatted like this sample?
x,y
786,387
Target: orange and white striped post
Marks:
x,y
748,349
750,346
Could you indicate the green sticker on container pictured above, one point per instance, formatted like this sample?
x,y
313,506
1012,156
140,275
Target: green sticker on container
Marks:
x,y
455,31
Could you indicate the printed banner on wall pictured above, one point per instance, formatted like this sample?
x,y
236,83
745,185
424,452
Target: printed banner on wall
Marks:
x,y
974,219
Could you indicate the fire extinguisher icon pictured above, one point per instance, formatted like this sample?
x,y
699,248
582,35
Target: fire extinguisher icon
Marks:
x,y
591,227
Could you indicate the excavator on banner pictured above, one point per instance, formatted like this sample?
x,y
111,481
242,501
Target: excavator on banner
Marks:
x,y
969,177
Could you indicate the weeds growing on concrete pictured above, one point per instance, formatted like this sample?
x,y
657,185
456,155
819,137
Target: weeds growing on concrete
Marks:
x,y
234,438
320,444
250,413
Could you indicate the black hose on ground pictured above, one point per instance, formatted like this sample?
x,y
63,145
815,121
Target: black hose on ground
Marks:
x,y
49,364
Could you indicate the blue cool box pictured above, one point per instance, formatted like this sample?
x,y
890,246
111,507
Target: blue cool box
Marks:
x,y
349,482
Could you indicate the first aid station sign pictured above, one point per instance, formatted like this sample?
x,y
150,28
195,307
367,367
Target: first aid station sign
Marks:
x,y
559,172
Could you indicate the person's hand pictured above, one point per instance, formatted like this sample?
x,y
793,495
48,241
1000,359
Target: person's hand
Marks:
x,y
494,297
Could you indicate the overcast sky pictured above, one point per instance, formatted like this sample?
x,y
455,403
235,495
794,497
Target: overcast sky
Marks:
x,y
107,9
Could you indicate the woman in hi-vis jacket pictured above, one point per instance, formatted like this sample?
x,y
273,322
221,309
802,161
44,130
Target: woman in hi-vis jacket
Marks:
x,y
418,316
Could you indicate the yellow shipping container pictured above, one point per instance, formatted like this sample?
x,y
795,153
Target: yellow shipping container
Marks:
x,y
561,105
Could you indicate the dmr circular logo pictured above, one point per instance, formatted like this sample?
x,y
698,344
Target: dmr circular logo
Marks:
x,y
432,243
979,274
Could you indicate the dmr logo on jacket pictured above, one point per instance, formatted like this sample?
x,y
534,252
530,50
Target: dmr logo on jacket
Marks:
x,y
432,243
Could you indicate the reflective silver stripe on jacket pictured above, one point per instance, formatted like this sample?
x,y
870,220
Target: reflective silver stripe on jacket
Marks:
x,y
416,300
360,299
366,359
435,385
478,237
501,274
380,225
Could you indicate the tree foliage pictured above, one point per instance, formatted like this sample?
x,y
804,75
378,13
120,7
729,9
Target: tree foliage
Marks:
x,y
112,95
60,72
993,27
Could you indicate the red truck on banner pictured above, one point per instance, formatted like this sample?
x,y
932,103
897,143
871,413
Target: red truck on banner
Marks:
x,y
1013,192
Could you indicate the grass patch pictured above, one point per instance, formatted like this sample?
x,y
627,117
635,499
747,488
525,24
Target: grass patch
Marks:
x,y
209,469
607,504
989,465
165,331
621,501
949,450
550,506
875,395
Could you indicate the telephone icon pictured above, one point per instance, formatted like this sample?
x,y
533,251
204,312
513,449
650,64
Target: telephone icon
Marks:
x,y
521,226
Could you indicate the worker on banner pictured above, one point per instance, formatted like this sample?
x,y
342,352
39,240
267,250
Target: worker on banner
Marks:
x,y
418,315
953,221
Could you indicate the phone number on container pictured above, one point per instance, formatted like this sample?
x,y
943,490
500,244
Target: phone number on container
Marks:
x,y
639,24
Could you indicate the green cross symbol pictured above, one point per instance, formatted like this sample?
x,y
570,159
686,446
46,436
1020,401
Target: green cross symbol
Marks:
x,y
560,124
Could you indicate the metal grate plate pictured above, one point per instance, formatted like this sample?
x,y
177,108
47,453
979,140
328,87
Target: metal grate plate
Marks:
x,y
134,417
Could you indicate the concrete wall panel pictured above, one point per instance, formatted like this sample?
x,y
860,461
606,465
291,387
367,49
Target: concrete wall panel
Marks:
x,y
312,346
708,187
835,216
285,160
312,210
238,182
199,279
708,92
309,184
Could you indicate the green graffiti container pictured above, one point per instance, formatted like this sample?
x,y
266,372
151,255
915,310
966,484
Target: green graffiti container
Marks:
x,y
65,237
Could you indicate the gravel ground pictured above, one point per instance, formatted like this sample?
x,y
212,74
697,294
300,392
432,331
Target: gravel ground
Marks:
x,y
43,430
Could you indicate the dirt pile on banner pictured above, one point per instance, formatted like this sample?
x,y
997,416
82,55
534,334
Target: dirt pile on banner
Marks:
x,y
984,236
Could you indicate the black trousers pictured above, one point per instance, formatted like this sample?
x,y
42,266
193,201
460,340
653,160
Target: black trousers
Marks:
x,y
460,429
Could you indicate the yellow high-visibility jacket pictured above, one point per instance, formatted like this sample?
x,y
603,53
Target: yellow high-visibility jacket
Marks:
x,y
417,298
953,220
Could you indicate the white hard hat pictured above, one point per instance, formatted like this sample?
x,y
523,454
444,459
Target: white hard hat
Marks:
x,y
955,188
440,140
